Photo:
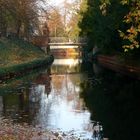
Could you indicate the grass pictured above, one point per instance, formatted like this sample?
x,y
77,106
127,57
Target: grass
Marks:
x,y
16,51
18,57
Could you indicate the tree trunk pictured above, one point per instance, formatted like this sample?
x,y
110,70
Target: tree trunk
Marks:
x,y
18,28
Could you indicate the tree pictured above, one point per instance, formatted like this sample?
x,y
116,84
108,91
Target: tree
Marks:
x,y
133,20
18,16
101,22
75,9
4,16
55,24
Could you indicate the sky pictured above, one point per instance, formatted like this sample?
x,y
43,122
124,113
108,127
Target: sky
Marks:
x,y
58,2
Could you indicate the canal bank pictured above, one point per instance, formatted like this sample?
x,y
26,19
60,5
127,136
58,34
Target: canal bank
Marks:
x,y
119,64
24,68
19,57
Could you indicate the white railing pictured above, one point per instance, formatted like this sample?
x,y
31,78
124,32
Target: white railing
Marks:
x,y
66,40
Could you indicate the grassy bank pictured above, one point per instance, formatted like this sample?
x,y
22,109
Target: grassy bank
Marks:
x,y
16,51
18,57
23,68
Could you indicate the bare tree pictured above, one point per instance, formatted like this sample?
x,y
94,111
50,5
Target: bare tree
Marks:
x,y
55,23
19,16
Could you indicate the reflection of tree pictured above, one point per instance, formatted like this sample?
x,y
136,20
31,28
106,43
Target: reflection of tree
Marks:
x,y
44,79
71,84
15,98
114,102
1,105
15,106
76,78
58,80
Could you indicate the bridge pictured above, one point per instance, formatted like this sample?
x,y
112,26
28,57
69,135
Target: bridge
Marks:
x,y
58,45
67,40
66,47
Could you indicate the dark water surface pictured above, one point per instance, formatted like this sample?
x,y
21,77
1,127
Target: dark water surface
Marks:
x,y
82,100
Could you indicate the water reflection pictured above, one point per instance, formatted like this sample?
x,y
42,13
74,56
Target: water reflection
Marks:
x,y
69,62
1,105
20,99
65,66
62,104
83,100
62,109
114,101
51,100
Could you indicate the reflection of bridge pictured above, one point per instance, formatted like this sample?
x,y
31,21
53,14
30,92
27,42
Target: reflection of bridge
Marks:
x,y
66,66
72,44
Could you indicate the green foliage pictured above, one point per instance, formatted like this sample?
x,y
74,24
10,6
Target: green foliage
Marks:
x,y
112,24
101,27
133,20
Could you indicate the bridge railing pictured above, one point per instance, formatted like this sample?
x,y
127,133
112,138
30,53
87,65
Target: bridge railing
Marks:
x,y
66,39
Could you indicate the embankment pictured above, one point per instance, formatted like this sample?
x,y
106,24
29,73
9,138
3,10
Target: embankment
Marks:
x,y
18,57
125,67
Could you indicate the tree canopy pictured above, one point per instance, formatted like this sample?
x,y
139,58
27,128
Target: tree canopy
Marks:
x,y
18,16
112,24
55,23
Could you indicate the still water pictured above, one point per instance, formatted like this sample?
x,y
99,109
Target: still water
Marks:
x,y
79,99
50,100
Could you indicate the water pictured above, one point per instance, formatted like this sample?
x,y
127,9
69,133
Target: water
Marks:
x,y
49,100
85,101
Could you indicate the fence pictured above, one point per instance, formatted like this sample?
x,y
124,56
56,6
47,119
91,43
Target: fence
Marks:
x,y
66,39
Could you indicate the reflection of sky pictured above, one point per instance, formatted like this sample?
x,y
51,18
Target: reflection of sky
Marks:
x,y
69,62
62,108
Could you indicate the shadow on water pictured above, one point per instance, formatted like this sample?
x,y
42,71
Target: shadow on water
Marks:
x,y
114,101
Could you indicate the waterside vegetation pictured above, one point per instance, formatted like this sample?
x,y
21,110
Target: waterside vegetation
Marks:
x,y
112,26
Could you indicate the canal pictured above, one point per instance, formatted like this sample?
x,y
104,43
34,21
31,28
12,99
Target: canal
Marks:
x,y
84,101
